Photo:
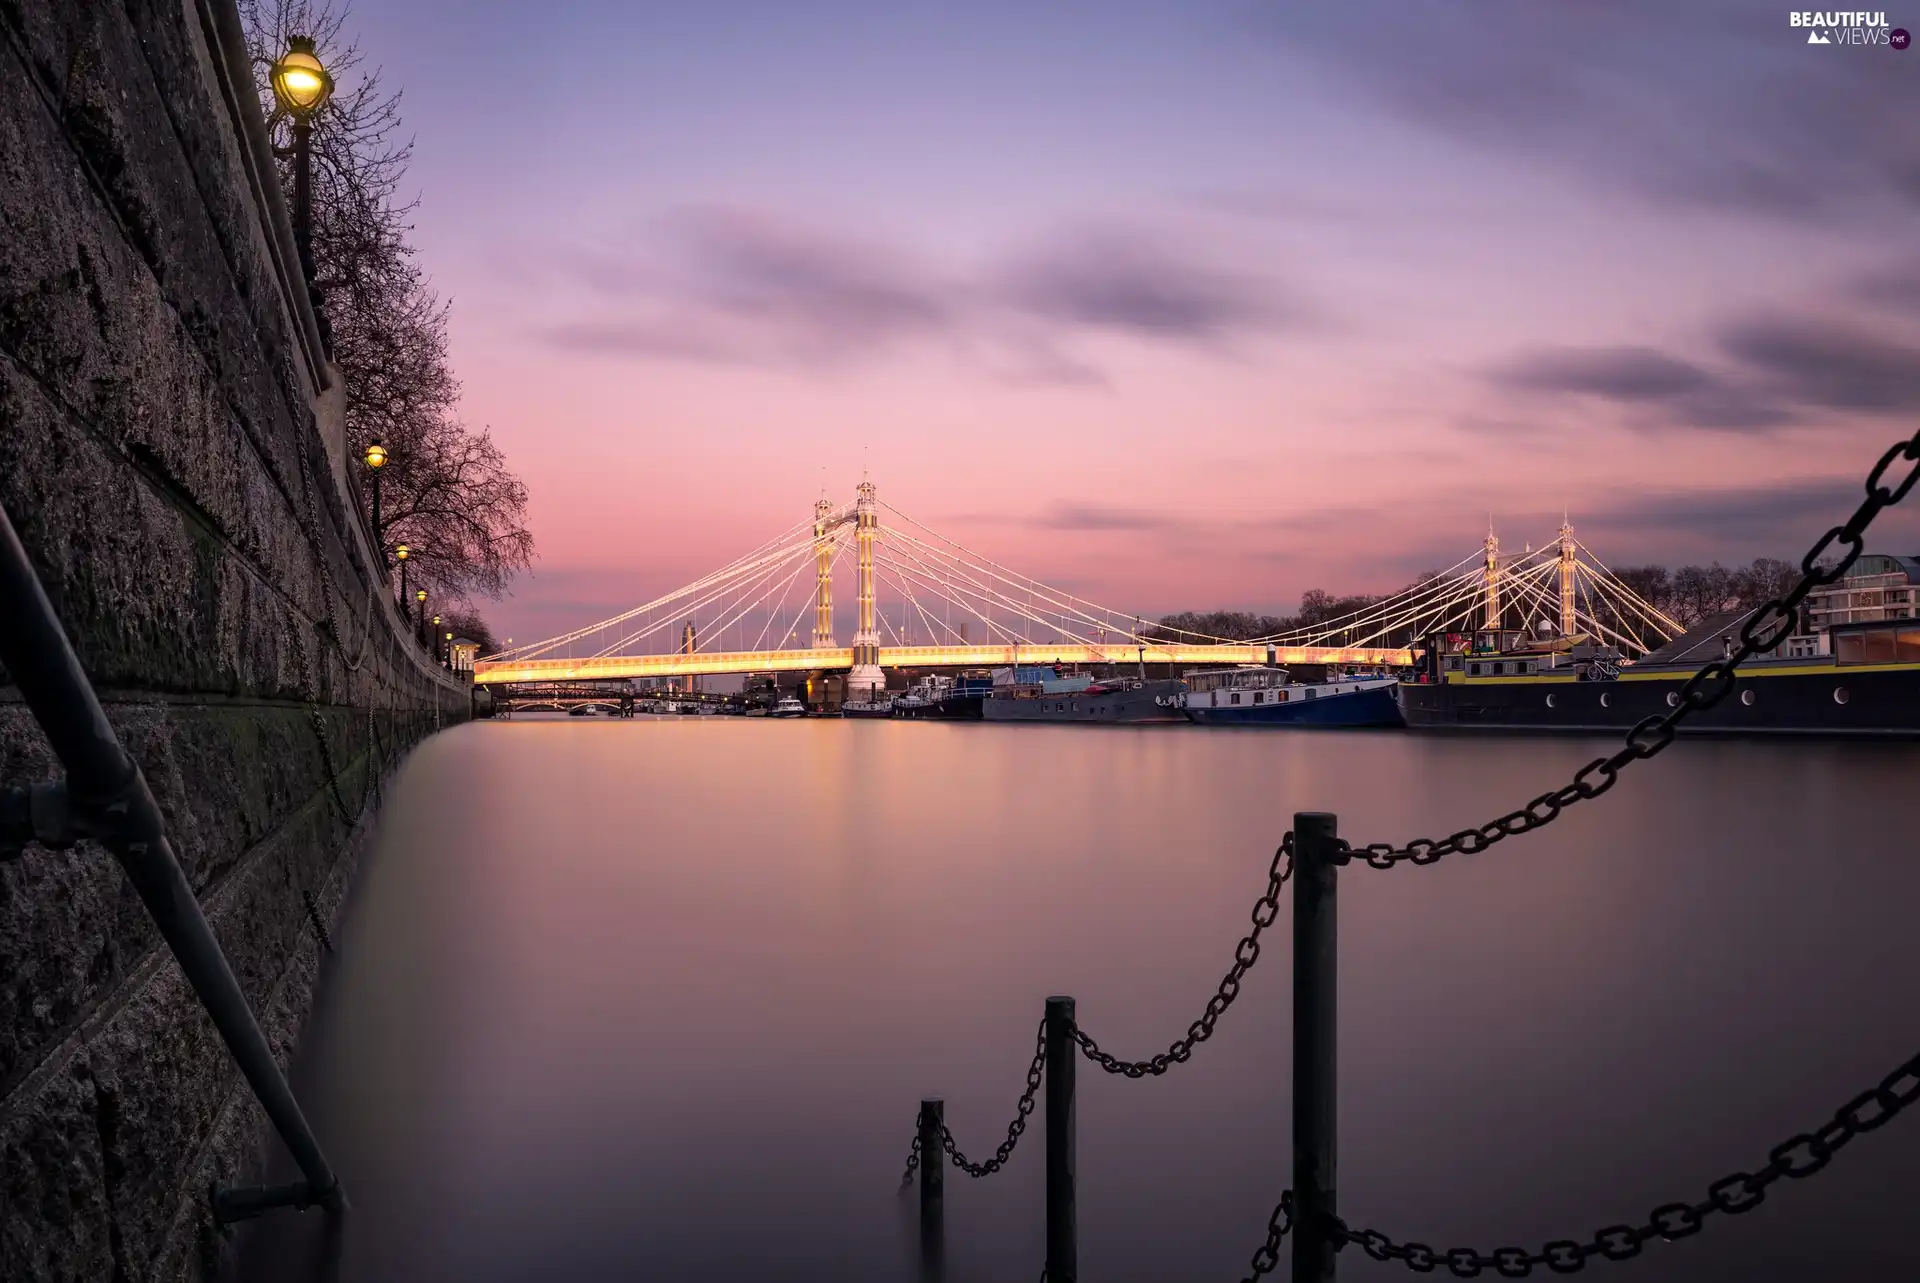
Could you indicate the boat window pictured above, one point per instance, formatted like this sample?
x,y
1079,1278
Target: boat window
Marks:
x,y
1909,645
1259,698
1473,670
1499,668
1284,696
1234,698
1312,693
1840,695
1746,697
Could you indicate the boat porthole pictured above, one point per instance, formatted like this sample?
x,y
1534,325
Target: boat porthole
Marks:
x,y
1673,699
1746,697
1549,701
1840,695
1604,701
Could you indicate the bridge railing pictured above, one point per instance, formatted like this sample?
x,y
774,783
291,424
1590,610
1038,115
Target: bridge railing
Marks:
x,y
1310,856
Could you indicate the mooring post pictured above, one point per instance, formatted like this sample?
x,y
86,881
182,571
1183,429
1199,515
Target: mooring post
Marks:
x,y
1063,1253
933,1164
1314,1033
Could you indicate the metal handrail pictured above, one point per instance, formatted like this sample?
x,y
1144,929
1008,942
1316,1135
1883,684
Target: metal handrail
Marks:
x,y
105,797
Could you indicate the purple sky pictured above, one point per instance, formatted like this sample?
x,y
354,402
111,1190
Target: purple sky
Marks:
x,y
1180,306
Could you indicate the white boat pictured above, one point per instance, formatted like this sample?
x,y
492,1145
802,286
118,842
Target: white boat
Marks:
x,y
1251,695
787,706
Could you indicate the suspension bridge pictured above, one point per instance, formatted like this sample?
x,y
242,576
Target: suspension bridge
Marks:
x,y
925,601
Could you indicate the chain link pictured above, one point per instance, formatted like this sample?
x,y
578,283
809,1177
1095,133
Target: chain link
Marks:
x,y
1764,629
913,1162
1267,1258
1245,954
1793,1159
1035,1072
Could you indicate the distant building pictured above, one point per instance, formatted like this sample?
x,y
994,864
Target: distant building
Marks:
x,y
1879,587
463,651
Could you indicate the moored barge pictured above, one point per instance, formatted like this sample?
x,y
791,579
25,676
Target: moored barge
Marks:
x,y
1857,679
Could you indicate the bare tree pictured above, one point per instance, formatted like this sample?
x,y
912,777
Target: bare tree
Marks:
x,y
446,490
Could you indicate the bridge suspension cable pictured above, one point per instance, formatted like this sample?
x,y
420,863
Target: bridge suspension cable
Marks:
x,y
754,612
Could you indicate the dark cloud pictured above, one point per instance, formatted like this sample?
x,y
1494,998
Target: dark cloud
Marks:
x,y
1665,390
1897,289
1620,373
733,286
729,285
1126,282
1077,516
1780,519
1823,365
1716,103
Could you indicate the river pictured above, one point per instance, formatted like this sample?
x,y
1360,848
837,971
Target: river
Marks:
x,y
657,999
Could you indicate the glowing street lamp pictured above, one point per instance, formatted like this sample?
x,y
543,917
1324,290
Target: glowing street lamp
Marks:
x,y
420,620
377,459
302,86
400,554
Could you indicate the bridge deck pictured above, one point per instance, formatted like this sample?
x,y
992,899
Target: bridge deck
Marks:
x,y
711,663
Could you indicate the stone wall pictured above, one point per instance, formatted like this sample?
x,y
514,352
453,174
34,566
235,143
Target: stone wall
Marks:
x,y
170,456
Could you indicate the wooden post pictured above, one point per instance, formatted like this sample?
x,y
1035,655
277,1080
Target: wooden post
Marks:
x,y
1314,1034
933,1165
1063,1253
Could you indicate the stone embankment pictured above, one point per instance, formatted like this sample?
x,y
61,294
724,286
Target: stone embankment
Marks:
x,y
172,456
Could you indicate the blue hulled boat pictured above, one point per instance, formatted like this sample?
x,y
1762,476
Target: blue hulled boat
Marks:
x,y
1258,696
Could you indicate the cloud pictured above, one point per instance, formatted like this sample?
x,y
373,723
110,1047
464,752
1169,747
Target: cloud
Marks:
x,y
1097,517
1831,367
1105,279
728,285
1620,373
734,286
1897,290
1718,105
1664,390
1776,519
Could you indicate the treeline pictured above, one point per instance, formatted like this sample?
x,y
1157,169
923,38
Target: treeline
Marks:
x,y
1317,605
1691,593
446,491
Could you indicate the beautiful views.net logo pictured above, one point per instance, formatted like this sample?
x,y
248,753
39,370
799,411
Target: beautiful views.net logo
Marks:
x,y
1848,28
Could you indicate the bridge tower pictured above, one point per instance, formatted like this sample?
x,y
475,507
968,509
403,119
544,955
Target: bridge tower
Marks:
x,y
823,574
1493,576
864,679
1566,576
689,639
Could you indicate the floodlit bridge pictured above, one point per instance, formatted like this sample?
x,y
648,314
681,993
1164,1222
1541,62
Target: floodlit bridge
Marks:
x,y
924,601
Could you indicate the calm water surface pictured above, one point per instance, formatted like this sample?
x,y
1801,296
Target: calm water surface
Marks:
x,y
657,999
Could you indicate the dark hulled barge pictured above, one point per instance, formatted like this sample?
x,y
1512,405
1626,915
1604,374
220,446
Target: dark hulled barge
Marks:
x,y
1852,679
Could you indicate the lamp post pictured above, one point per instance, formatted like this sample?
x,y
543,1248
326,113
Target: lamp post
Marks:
x,y
302,86
377,459
400,554
420,619
446,656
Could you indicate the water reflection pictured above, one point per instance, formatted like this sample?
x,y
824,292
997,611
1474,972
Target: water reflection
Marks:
x,y
658,999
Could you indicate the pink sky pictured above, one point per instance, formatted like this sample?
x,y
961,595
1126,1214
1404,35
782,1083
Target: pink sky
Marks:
x,y
1181,307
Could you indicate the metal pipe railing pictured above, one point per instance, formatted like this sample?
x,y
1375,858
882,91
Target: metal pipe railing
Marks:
x,y
107,798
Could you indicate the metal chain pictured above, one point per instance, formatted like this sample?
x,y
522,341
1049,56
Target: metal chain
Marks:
x,y
1035,1072
1245,954
913,1162
1267,1258
1798,1157
1765,629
